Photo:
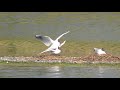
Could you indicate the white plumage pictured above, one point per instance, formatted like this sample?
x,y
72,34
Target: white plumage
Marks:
x,y
99,51
54,44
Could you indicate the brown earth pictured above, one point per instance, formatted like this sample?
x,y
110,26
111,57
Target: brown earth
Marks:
x,y
93,58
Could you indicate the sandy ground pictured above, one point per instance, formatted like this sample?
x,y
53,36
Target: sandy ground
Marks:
x,y
63,59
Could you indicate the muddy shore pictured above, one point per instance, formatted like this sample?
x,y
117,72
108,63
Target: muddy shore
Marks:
x,y
63,59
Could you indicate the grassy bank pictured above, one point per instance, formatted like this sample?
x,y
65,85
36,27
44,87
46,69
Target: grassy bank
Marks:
x,y
28,64
22,47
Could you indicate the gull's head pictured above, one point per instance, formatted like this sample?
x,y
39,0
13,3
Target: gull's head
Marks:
x,y
102,49
59,40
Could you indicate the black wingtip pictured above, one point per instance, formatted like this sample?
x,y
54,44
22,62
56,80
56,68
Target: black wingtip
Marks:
x,y
38,36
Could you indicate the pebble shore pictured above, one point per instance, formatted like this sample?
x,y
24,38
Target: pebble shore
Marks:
x,y
63,59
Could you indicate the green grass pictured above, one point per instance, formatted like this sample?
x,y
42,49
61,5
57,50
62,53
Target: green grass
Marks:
x,y
22,47
28,64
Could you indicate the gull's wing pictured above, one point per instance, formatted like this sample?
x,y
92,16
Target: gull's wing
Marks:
x,y
62,43
45,39
45,51
62,35
49,49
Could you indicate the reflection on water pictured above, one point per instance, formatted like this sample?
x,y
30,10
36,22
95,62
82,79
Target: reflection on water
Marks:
x,y
54,69
57,71
53,72
101,71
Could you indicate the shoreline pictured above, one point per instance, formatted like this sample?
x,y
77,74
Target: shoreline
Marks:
x,y
63,59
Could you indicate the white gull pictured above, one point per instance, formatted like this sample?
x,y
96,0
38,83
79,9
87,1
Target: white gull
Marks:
x,y
54,45
99,51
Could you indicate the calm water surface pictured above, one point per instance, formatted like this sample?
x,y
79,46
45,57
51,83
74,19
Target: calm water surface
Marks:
x,y
58,71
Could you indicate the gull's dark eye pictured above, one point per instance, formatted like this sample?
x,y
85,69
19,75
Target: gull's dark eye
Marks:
x,y
103,49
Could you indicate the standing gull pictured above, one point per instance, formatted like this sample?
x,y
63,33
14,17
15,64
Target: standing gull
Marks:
x,y
99,51
54,45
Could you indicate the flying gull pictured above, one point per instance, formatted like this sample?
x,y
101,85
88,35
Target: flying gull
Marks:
x,y
54,45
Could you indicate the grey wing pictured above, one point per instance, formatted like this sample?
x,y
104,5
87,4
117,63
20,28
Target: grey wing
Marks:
x,y
45,39
62,35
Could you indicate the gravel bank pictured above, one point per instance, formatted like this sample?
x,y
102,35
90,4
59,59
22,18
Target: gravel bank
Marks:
x,y
62,59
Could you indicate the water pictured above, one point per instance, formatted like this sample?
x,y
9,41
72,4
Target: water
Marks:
x,y
58,71
83,25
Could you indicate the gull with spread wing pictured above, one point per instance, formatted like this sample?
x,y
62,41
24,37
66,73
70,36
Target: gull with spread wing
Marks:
x,y
54,45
